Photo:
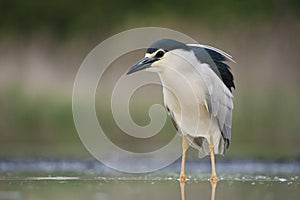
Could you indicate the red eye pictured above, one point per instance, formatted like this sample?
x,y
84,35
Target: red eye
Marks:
x,y
159,54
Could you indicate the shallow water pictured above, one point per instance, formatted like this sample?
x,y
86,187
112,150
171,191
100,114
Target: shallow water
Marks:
x,y
91,180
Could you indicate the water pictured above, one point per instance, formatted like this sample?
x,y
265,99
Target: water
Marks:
x,y
74,180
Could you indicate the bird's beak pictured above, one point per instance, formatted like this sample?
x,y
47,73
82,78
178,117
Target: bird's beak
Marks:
x,y
142,64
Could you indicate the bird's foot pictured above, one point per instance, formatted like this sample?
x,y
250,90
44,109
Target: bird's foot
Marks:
x,y
214,179
182,178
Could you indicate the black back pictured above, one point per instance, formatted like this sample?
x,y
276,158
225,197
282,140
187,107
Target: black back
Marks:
x,y
223,68
213,58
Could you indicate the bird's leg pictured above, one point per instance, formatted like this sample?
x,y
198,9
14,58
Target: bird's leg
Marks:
x,y
213,178
184,148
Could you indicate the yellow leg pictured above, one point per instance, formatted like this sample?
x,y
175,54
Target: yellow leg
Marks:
x,y
213,178
184,148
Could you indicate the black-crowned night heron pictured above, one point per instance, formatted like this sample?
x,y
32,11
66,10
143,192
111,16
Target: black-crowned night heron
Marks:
x,y
197,94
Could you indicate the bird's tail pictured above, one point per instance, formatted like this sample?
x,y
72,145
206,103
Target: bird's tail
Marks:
x,y
202,145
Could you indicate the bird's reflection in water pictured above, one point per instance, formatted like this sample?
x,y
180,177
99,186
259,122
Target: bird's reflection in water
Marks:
x,y
213,189
182,190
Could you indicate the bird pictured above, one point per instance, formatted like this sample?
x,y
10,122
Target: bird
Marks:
x,y
197,88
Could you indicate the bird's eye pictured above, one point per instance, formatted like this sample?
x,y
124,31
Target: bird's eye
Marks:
x,y
160,54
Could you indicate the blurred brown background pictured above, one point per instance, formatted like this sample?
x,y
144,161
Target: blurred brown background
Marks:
x,y
42,44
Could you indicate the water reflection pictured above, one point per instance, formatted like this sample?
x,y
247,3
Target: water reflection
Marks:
x,y
213,189
77,180
182,190
233,187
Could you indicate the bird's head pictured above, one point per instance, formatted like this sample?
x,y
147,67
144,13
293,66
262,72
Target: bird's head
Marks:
x,y
157,55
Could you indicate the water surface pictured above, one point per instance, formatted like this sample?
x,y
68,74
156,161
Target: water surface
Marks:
x,y
90,180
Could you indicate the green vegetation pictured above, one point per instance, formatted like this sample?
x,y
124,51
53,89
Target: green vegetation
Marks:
x,y
64,17
262,35
262,127
40,119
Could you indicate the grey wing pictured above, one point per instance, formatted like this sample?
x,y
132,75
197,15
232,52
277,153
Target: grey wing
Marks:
x,y
219,102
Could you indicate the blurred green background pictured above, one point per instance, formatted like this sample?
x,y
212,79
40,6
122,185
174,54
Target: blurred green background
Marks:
x,y
42,44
